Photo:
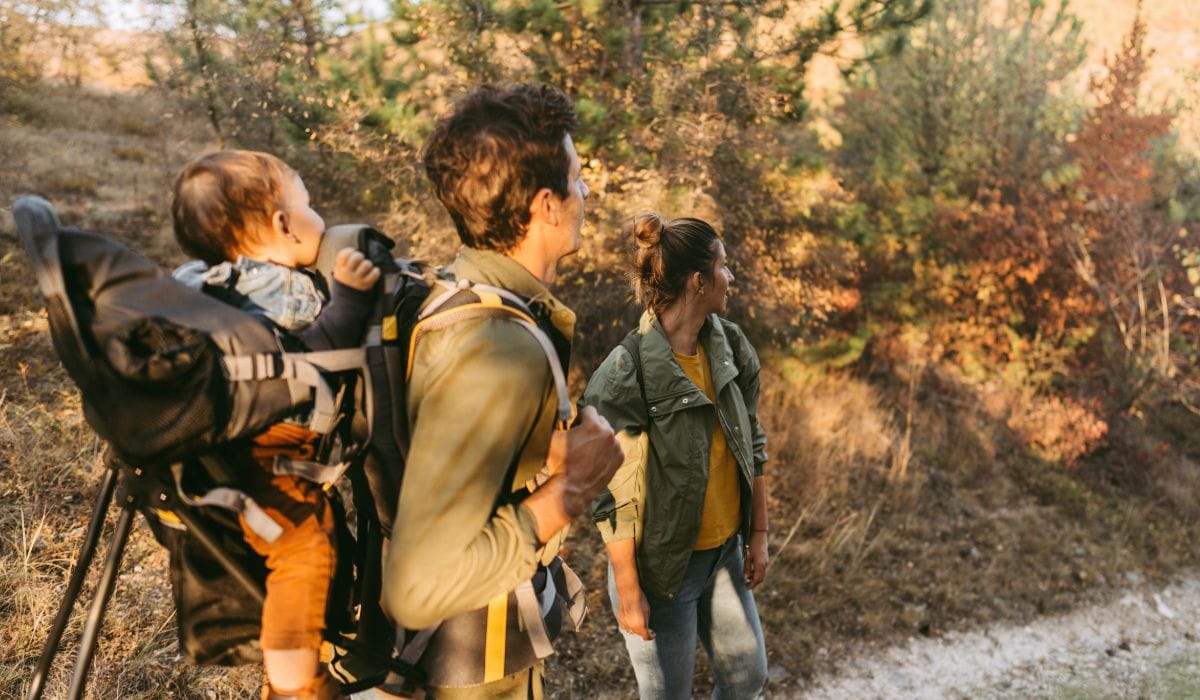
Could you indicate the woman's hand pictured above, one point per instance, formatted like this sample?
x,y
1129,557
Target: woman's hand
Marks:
x,y
633,610
633,613
755,569
354,270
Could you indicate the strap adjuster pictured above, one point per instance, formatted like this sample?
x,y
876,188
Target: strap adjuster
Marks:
x,y
268,365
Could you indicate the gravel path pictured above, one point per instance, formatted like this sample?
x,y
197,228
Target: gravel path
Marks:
x,y
1145,644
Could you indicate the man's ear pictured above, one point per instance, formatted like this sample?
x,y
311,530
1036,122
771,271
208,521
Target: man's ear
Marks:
x,y
545,206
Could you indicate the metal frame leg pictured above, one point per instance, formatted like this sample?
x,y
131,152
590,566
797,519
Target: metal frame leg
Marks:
x,y
206,539
135,489
104,590
87,550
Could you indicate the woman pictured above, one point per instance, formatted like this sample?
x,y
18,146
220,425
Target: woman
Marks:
x,y
682,391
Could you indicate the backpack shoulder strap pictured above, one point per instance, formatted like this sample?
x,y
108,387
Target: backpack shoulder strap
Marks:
x,y
464,299
633,345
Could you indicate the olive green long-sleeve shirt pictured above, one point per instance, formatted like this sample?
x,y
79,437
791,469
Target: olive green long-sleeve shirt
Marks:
x,y
481,396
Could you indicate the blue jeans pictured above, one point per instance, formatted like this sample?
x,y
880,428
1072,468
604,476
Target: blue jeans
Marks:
x,y
714,605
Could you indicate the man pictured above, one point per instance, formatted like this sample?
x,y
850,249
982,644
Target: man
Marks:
x,y
482,400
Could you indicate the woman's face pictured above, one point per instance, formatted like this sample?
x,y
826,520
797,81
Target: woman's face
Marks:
x,y
714,294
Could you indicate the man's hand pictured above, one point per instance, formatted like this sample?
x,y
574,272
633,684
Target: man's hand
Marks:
x,y
556,458
354,270
582,461
591,455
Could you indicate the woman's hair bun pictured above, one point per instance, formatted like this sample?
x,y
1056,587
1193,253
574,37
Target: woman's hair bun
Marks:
x,y
647,229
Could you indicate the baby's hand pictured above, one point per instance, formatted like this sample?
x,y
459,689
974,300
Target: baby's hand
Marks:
x,y
354,270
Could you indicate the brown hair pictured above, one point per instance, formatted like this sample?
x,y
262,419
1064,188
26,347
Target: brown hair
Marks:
x,y
667,254
497,149
220,197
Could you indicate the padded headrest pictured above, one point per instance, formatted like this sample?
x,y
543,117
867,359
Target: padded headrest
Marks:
x,y
38,226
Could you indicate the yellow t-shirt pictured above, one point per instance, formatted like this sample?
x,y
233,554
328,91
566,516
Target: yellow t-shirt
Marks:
x,y
722,500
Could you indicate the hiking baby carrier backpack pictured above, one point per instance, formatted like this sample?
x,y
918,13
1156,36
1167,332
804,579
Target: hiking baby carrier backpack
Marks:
x,y
413,300
398,320
168,375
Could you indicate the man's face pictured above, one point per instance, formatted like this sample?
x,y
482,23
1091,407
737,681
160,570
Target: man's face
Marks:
x,y
570,222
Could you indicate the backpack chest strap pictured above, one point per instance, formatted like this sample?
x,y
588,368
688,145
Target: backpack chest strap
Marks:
x,y
303,373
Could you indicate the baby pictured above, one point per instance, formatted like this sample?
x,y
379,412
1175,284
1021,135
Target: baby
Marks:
x,y
247,216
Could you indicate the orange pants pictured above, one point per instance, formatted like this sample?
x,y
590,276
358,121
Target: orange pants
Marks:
x,y
301,561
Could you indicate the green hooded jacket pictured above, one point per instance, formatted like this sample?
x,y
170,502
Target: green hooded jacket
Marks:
x,y
657,496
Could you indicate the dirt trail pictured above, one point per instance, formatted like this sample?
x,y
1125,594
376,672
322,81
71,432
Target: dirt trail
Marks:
x,y
1143,644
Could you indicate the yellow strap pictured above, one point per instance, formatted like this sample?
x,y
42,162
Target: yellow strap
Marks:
x,y
487,298
391,329
497,628
168,517
490,301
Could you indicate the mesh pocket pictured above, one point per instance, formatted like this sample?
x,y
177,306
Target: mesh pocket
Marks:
x,y
164,392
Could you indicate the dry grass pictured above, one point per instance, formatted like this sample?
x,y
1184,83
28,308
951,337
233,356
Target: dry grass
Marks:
x,y
976,528
50,461
903,504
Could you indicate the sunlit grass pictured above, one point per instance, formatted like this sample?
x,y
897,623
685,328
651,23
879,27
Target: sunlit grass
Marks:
x,y
903,503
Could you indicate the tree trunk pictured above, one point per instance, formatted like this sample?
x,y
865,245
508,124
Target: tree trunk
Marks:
x,y
310,26
206,74
631,59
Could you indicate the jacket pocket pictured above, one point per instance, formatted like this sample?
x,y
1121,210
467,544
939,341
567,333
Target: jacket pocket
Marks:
x,y
662,407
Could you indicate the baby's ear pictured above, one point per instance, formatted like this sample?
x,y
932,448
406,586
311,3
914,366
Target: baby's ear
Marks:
x,y
281,225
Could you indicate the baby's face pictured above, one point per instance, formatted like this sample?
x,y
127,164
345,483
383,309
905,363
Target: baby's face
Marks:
x,y
305,224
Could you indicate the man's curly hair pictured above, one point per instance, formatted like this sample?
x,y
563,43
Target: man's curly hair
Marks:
x,y
497,149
